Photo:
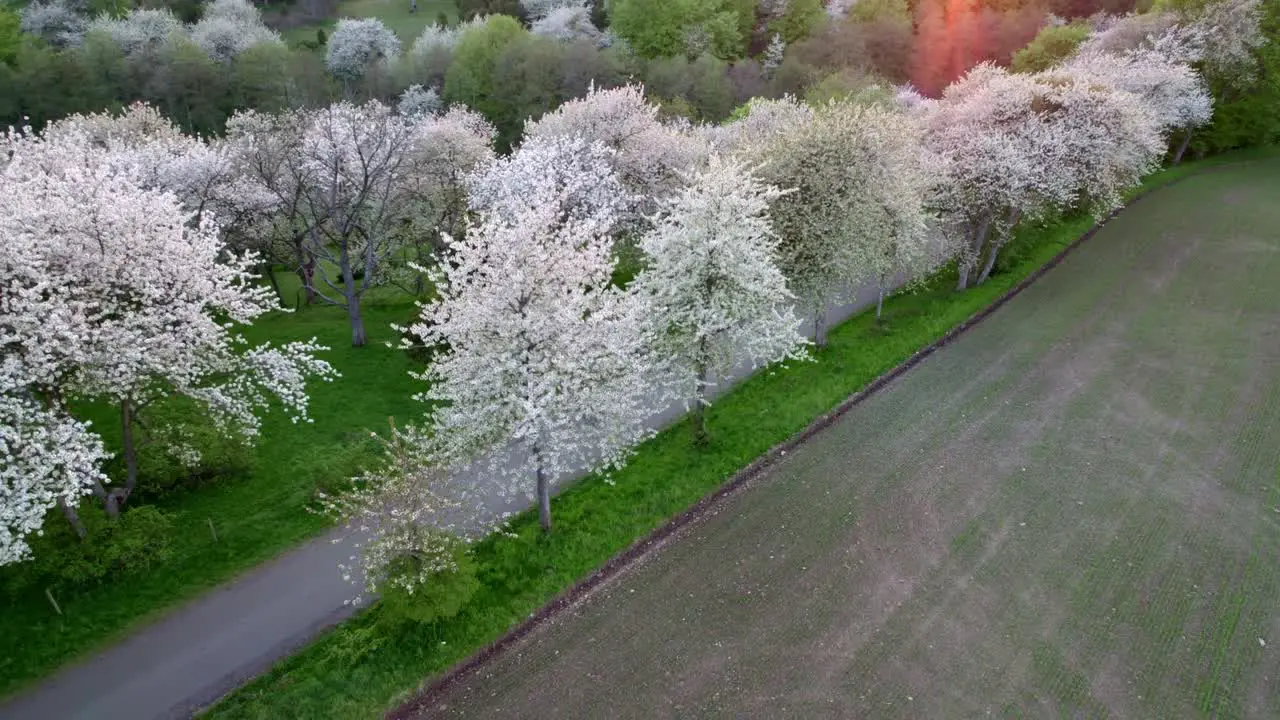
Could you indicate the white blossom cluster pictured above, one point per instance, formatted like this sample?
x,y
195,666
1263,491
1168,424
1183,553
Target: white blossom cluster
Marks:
x,y
1220,36
416,100
229,27
142,31
712,296
1019,146
765,121
55,21
774,54
568,23
1171,91
406,520
858,213
116,292
358,45
49,458
649,155
542,351
437,37
538,9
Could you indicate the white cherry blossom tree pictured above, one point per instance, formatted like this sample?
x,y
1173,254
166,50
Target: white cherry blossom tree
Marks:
x,y
542,363
229,27
116,293
356,46
712,295
764,121
417,100
406,521
141,32
1171,91
858,213
55,21
1019,146
567,24
649,155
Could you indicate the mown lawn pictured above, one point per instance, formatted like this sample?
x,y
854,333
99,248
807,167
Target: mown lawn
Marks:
x,y
369,664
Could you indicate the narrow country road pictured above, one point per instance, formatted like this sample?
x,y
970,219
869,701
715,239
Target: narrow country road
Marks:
x,y
202,650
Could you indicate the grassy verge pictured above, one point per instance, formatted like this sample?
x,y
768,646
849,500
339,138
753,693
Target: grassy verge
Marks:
x,y
367,664
257,513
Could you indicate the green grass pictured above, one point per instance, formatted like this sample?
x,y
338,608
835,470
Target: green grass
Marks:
x,y
365,665
257,514
393,13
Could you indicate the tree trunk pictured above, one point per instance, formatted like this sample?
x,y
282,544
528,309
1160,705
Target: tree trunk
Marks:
x,y
879,299
117,496
73,517
991,262
307,264
820,327
357,322
1186,140
700,435
1015,215
309,278
975,246
353,301
544,494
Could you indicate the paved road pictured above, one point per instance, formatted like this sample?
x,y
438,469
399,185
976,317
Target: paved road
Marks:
x,y
212,645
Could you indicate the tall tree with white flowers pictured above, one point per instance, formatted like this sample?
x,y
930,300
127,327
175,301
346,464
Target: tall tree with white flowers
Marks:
x,y
1173,92
542,368
115,293
1020,146
358,47
858,213
649,154
712,296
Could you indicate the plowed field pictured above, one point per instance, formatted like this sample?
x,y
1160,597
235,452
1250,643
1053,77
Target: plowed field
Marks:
x,y
1073,510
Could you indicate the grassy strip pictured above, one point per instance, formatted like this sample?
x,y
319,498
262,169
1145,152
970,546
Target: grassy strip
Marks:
x,y
257,514
369,664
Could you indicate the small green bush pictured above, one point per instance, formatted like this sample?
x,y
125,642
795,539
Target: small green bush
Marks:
x,y
440,599
110,550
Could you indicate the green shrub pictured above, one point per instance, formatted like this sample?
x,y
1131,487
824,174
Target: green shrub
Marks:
x,y
111,549
441,598
173,423
1051,46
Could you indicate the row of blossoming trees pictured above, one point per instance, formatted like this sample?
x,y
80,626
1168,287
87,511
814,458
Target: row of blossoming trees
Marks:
x,y
129,252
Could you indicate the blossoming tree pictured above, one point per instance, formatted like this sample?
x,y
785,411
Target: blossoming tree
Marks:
x,y
1019,146
115,293
858,212
649,155
542,367
712,294
1171,91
